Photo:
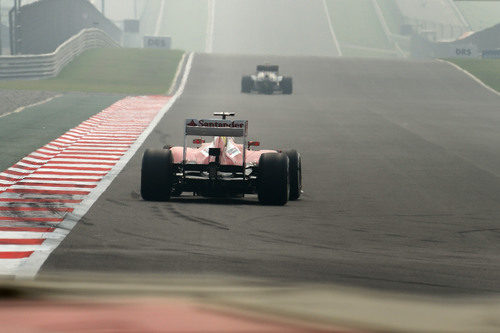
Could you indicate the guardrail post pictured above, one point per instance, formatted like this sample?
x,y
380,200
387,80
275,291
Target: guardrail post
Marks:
x,y
1,28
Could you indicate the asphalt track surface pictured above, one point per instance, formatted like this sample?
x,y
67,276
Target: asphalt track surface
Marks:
x,y
280,27
12,100
401,183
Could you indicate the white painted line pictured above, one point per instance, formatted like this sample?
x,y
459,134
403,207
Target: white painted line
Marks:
x,y
13,177
385,27
20,170
77,164
22,248
69,182
330,26
65,171
10,265
99,132
87,149
22,108
41,154
177,73
472,76
99,145
49,188
160,18
89,154
63,177
106,141
61,139
209,37
28,235
459,14
28,165
30,267
75,161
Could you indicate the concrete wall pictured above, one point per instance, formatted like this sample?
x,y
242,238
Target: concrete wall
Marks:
x,y
46,24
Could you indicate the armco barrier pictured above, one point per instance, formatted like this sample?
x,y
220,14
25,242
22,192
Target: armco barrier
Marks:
x,y
49,65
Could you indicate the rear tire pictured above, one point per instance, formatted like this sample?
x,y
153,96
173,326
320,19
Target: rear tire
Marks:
x,y
157,175
246,84
273,182
286,85
295,171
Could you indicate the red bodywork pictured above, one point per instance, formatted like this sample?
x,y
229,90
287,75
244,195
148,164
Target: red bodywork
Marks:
x,y
231,153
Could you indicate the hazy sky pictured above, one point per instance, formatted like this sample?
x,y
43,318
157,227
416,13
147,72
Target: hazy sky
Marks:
x,y
115,9
120,9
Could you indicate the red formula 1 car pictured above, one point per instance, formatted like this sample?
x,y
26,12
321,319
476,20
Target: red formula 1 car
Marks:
x,y
222,167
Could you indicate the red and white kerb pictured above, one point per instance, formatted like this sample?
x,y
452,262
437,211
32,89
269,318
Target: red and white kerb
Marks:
x,y
39,194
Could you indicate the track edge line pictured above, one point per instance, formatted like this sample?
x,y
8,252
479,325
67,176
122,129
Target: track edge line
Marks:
x,y
472,76
29,268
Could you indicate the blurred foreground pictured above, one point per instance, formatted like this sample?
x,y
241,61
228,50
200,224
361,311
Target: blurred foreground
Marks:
x,y
118,303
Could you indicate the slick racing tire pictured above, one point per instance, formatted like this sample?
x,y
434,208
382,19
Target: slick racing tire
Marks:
x,y
246,84
286,85
157,175
295,172
273,183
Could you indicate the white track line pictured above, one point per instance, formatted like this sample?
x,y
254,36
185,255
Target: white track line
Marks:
x,y
385,27
177,73
28,235
472,76
22,108
28,267
209,39
459,14
366,48
330,26
160,18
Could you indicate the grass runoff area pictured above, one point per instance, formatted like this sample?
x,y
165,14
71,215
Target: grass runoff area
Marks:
x,y
23,132
480,14
356,25
111,70
487,70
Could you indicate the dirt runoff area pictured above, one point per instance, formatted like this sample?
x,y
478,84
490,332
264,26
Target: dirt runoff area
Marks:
x,y
13,100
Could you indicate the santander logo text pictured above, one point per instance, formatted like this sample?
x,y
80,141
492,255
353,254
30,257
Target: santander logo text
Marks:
x,y
216,123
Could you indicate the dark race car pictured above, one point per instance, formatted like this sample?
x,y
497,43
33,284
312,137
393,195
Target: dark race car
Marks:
x,y
221,167
266,80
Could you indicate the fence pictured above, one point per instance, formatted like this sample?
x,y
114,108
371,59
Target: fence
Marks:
x,y
435,31
49,65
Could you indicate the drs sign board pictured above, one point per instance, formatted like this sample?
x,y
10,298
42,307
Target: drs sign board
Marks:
x,y
155,42
464,51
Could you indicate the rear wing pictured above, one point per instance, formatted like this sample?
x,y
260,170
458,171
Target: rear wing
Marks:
x,y
267,68
216,127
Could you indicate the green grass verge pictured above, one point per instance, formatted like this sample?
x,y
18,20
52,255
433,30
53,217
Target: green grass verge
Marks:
x,y
111,70
392,15
487,70
22,133
355,22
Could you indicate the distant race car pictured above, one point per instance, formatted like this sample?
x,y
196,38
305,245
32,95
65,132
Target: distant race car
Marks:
x,y
266,80
221,167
